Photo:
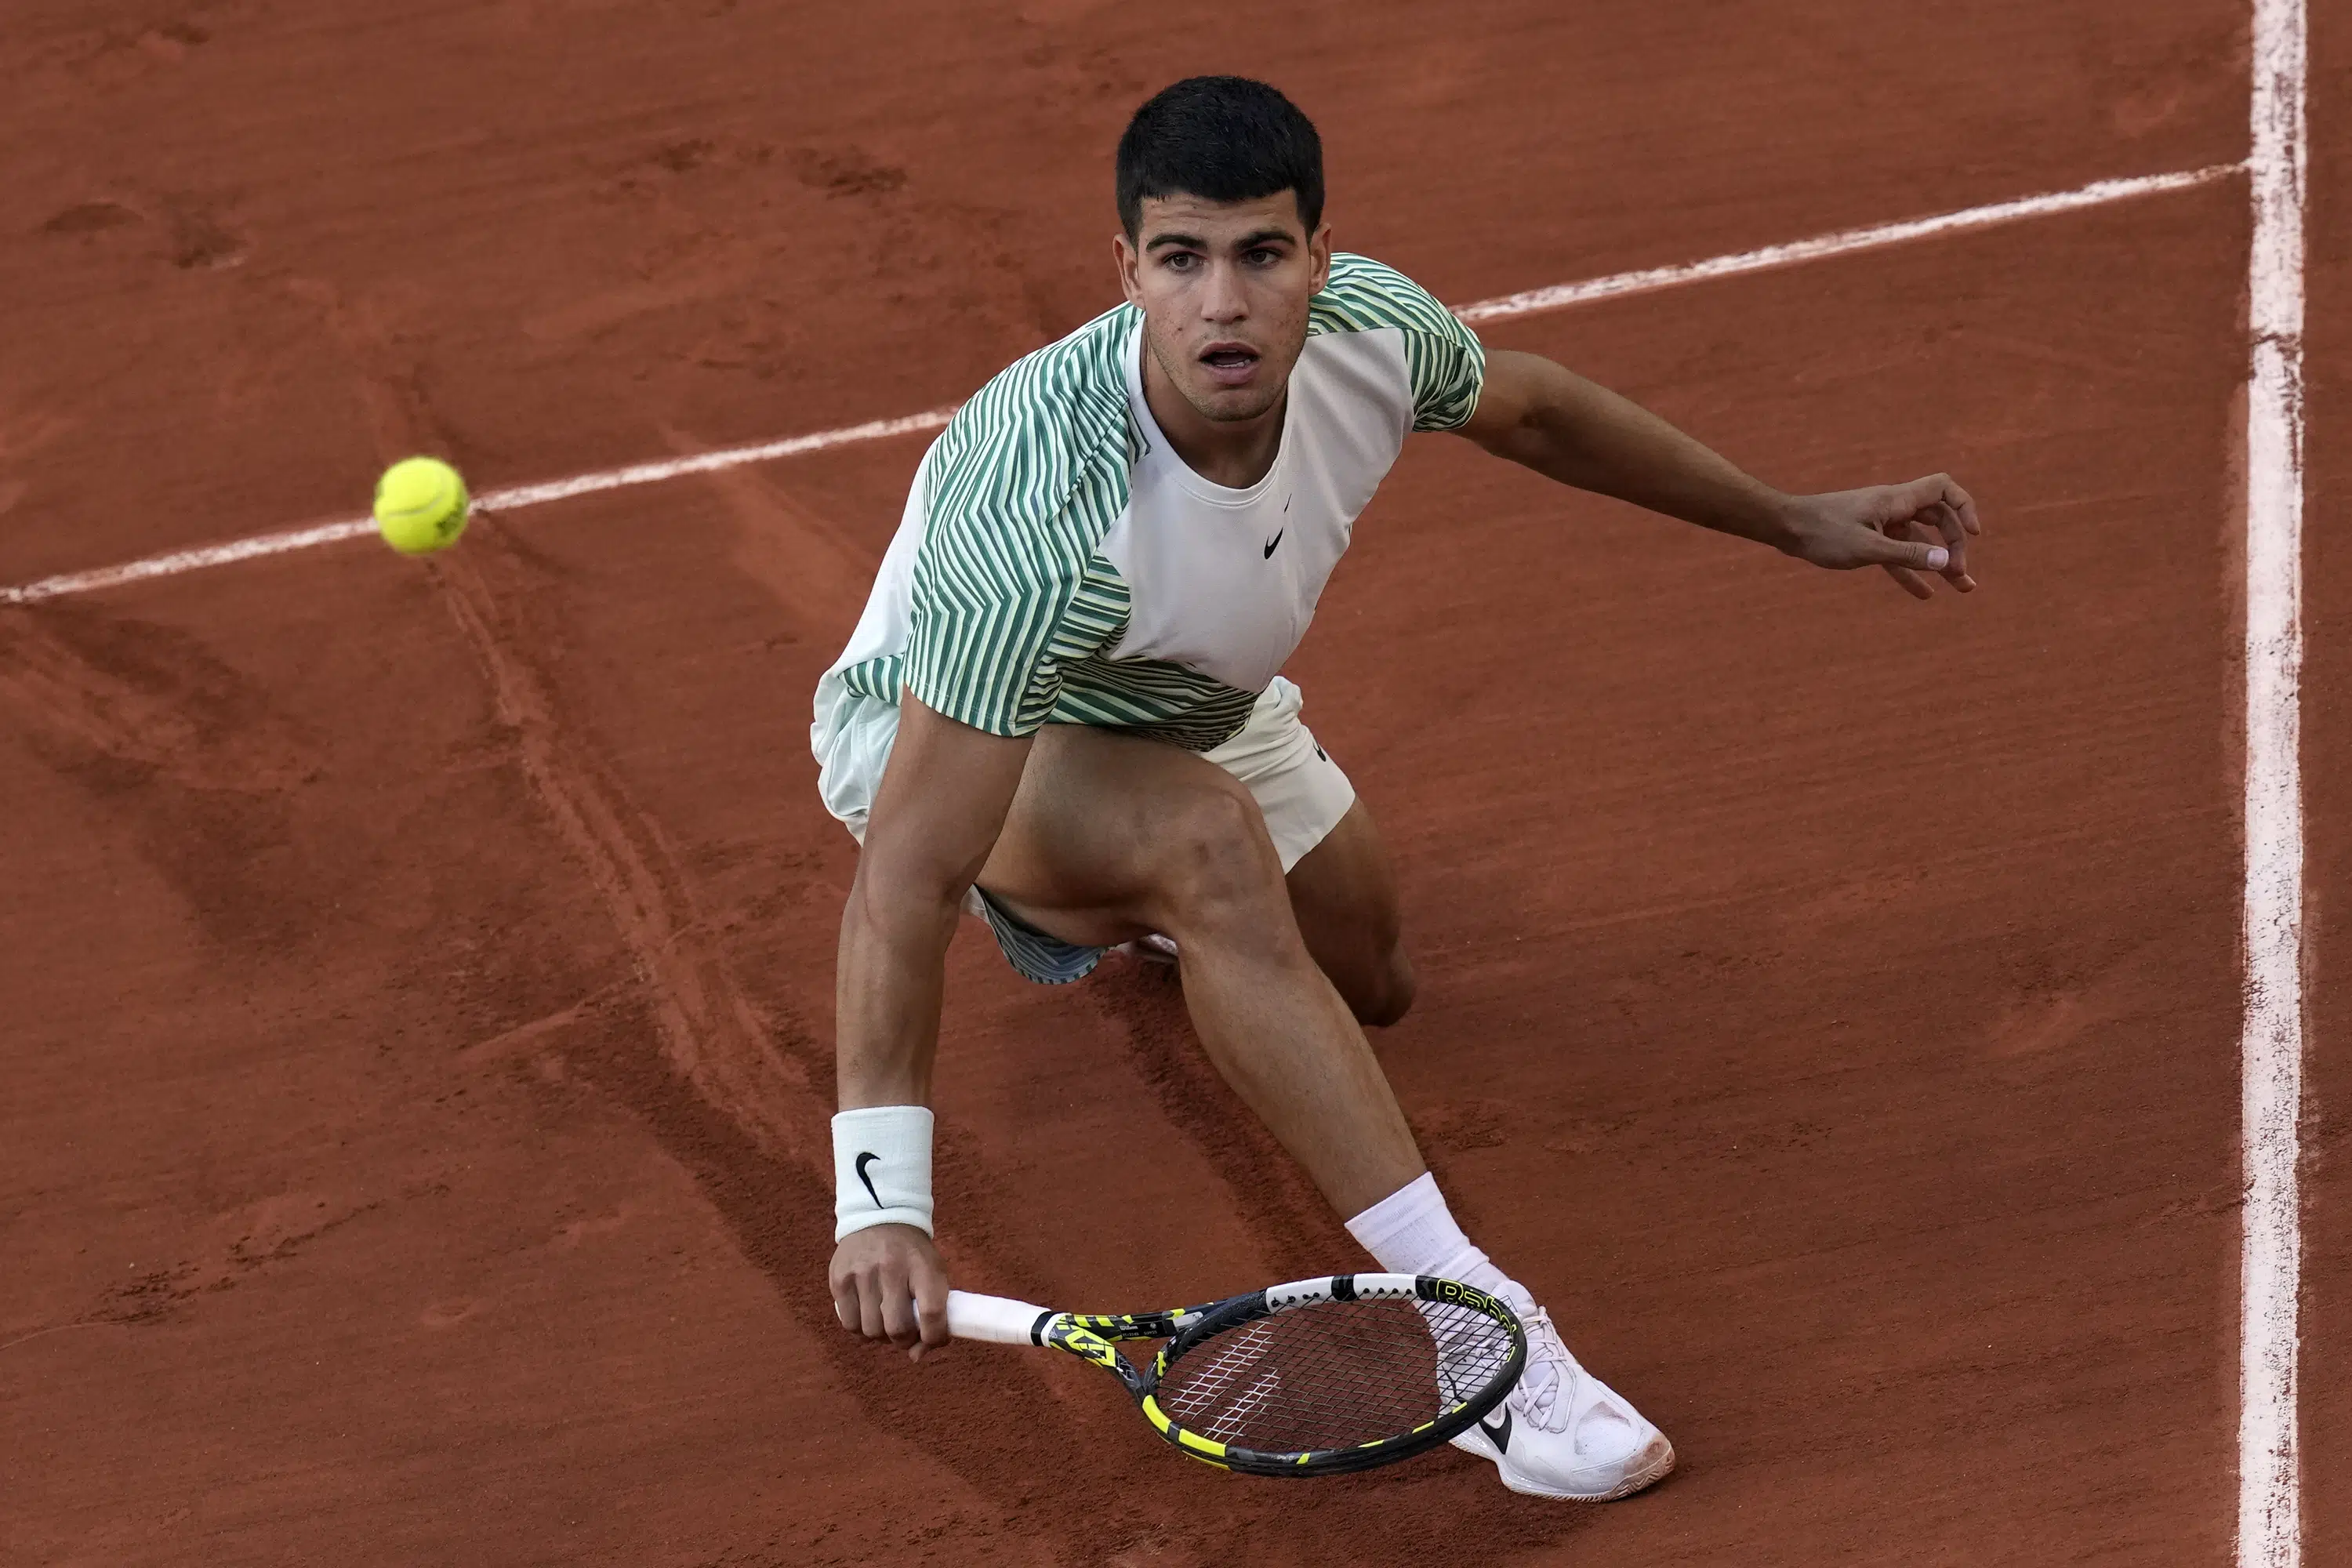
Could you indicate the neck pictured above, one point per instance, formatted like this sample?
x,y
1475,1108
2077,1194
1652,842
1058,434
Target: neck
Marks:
x,y
1235,452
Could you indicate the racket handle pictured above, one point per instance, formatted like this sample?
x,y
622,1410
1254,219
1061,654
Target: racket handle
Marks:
x,y
996,1319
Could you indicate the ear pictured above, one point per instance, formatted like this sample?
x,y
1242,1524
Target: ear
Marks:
x,y
1318,256
1129,263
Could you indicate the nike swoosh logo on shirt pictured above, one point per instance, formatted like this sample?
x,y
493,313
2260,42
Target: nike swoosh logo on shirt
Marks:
x,y
1274,541
861,1161
1500,1434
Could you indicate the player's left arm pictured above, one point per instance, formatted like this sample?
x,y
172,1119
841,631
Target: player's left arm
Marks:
x,y
1550,419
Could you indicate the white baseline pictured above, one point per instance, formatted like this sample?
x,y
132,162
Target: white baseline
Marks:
x,y
2270,1045
516,496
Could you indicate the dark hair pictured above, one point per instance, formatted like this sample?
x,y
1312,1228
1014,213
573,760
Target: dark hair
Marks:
x,y
1223,138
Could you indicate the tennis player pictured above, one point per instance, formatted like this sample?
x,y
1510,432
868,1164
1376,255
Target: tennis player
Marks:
x,y
1063,709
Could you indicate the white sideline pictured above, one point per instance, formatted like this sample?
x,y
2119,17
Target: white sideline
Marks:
x,y
514,498
2270,1522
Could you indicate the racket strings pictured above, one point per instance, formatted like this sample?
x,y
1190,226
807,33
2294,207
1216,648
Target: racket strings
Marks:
x,y
1335,1375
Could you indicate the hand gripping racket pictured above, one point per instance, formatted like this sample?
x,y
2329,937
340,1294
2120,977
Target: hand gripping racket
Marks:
x,y
1315,1378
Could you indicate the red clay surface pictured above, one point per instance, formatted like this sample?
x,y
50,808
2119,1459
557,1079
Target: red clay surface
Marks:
x,y
417,976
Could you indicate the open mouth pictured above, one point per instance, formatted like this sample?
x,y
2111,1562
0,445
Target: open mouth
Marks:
x,y
1230,364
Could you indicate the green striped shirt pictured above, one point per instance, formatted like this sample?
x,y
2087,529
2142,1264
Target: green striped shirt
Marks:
x,y
1063,567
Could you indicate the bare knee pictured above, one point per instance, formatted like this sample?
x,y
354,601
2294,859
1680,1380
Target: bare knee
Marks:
x,y
1219,865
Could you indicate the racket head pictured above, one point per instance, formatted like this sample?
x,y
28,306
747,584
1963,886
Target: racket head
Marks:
x,y
1326,1376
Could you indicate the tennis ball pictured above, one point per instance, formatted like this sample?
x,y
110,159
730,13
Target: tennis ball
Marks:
x,y
420,505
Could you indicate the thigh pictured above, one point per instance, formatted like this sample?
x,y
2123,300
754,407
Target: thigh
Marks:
x,y
1344,894
1303,793
1103,825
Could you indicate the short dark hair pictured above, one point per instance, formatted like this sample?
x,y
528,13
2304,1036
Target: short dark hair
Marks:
x,y
1223,138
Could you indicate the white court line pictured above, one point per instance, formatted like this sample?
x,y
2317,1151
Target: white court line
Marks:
x,y
511,498
2270,1506
2096,193
515,497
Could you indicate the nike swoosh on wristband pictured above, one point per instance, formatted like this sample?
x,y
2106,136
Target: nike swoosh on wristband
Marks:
x,y
1502,1433
862,1176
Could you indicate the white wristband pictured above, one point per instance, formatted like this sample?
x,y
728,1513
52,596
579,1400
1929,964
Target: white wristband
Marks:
x,y
881,1168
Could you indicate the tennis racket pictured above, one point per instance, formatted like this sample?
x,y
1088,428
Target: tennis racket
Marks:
x,y
1316,1378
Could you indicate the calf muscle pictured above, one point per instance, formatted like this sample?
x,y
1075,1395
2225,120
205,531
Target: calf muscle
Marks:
x,y
1344,893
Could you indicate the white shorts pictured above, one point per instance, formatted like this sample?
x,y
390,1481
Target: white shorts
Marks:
x,y
1301,790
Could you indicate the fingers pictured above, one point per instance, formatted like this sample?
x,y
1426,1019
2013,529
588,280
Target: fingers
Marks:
x,y
1962,507
899,1307
1938,526
1939,490
874,1301
1915,531
862,1280
891,1287
1916,556
930,1285
1937,501
1899,546
1910,582
1952,528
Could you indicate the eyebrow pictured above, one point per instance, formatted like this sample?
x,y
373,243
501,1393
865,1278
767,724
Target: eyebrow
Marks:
x,y
1247,242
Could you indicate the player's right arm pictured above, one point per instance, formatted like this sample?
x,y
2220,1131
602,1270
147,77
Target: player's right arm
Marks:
x,y
942,802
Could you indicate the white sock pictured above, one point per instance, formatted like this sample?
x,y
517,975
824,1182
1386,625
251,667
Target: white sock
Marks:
x,y
1412,1231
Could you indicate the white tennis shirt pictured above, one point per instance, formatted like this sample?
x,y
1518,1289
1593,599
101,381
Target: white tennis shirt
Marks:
x,y
1058,561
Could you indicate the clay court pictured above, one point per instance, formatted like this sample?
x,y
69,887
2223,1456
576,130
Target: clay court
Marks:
x,y
416,977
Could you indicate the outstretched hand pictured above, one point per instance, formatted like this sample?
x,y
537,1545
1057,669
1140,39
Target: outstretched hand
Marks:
x,y
1906,530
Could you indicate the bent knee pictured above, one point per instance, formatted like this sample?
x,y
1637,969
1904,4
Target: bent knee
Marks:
x,y
1216,854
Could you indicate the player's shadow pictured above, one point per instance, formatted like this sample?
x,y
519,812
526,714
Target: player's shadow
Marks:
x,y
1091,1484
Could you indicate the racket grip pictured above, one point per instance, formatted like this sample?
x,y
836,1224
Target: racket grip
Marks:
x,y
996,1319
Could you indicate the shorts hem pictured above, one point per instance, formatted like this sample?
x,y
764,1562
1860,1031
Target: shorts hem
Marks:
x,y
1038,956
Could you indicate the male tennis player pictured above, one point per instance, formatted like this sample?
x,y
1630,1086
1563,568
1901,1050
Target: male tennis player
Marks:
x,y
1070,665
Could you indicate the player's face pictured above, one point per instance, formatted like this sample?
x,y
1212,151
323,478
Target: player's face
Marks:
x,y
1224,287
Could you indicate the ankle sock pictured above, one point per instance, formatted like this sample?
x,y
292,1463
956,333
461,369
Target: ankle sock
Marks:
x,y
1412,1231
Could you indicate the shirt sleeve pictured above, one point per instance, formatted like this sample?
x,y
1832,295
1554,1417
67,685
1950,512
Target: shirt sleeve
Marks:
x,y
1002,561
1442,356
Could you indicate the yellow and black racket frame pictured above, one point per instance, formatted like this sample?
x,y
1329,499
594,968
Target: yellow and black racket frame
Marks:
x,y
1097,1338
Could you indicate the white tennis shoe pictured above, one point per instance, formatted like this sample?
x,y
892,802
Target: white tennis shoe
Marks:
x,y
1563,1433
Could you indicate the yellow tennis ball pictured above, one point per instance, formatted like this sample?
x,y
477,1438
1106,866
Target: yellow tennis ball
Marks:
x,y
420,505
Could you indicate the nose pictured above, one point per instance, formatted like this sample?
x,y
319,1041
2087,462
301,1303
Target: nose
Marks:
x,y
1224,301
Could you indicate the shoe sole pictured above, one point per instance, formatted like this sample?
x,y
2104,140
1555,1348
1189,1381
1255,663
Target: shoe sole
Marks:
x,y
1652,1464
